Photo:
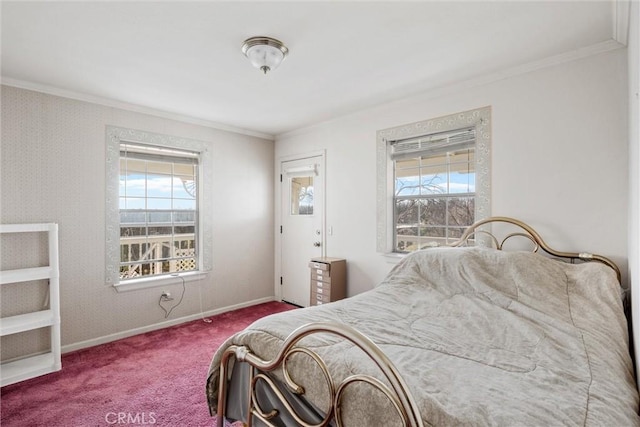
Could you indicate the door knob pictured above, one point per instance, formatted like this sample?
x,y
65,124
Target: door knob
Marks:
x,y
316,244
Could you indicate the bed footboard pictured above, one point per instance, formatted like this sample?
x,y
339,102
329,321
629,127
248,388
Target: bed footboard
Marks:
x,y
395,389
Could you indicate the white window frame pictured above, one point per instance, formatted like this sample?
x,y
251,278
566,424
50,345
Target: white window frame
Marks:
x,y
479,118
116,135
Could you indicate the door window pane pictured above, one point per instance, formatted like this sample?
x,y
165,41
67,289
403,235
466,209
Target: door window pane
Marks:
x,y
302,195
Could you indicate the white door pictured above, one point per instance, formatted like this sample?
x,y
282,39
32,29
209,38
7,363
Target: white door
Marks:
x,y
302,220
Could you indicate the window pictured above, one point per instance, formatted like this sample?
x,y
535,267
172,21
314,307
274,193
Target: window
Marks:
x,y
156,196
158,210
433,180
302,195
434,188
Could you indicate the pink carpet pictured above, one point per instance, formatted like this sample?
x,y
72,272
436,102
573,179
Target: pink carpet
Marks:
x,y
157,378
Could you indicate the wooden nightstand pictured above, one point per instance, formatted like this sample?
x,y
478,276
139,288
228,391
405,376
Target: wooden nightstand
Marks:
x,y
328,280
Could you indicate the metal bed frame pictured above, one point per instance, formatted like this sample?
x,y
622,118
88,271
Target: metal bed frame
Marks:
x,y
395,389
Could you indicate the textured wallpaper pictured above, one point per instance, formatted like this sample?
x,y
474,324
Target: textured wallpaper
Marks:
x,y
53,170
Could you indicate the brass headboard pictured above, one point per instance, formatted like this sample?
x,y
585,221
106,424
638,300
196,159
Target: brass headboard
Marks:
x,y
529,233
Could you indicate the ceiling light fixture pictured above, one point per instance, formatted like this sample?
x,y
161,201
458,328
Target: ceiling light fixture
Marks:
x,y
264,53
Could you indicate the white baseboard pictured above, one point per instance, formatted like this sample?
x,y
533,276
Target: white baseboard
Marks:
x,y
131,332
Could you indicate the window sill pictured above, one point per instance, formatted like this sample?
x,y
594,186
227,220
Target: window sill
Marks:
x,y
393,257
153,282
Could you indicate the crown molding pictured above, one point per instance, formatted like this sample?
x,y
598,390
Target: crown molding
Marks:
x,y
477,81
551,61
108,102
621,14
621,29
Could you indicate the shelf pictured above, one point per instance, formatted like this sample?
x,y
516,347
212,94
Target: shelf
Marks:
x,y
25,275
33,366
29,367
24,228
26,322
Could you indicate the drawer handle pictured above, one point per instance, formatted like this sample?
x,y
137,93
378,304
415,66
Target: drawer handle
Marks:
x,y
318,297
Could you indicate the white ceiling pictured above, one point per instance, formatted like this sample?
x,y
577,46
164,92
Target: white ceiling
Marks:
x,y
184,57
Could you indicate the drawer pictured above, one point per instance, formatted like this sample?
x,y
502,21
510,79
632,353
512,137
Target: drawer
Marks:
x,y
316,284
322,286
320,272
320,298
320,276
319,266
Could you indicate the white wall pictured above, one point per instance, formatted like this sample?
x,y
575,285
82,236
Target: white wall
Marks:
x,y
559,159
53,170
559,162
634,173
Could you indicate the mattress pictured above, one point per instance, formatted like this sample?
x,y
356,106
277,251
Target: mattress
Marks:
x,y
480,336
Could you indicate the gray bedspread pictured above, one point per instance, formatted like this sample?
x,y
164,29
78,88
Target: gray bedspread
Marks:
x,y
481,337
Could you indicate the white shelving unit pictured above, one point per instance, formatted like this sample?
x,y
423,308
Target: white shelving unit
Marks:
x,y
40,364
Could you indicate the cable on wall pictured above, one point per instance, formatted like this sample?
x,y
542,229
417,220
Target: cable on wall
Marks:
x,y
184,288
204,319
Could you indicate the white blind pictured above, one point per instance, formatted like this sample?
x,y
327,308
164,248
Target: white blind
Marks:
x,y
436,143
154,153
307,170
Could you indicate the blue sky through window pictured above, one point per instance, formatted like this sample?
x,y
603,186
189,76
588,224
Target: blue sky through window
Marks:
x,y
436,184
161,191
